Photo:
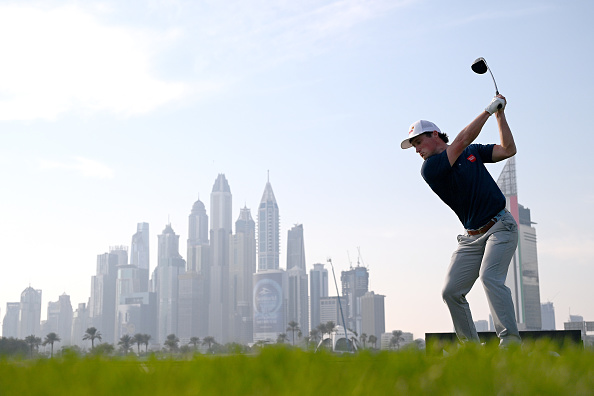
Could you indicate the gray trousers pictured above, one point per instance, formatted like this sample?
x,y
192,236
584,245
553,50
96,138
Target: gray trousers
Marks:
x,y
487,255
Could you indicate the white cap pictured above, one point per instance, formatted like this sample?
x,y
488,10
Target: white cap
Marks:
x,y
417,128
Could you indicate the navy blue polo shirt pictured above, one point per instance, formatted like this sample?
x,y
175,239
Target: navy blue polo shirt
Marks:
x,y
466,187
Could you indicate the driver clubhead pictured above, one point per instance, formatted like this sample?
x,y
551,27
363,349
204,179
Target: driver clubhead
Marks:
x,y
479,66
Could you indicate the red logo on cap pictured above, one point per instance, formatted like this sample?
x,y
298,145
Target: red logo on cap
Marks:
x,y
471,158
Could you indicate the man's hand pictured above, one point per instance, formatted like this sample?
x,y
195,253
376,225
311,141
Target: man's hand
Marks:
x,y
498,103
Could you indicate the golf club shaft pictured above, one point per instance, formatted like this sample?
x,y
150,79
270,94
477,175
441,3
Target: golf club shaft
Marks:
x,y
496,90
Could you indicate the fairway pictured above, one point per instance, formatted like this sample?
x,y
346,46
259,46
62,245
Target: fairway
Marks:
x,y
536,369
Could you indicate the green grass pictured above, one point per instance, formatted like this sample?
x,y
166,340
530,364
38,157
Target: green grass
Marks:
x,y
471,370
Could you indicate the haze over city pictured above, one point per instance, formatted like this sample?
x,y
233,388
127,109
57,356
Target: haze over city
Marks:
x,y
113,115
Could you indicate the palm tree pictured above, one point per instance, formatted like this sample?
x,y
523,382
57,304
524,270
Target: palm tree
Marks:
x,y
330,325
314,335
138,339
372,340
33,342
194,341
145,340
282,338
208,340
396,338
92,334
172,342
363,338
50,339
126,343
293,327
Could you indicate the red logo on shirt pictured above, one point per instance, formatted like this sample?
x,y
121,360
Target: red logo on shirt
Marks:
x,y
471,158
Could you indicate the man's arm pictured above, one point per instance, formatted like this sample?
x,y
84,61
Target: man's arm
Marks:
x,y
466,136
507,148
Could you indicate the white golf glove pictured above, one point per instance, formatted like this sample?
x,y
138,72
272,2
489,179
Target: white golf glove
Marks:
x,y
495,105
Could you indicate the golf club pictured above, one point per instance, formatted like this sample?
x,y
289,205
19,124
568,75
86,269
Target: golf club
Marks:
x,y
479,66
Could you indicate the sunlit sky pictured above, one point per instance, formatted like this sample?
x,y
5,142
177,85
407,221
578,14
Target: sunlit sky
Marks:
x,y
114,113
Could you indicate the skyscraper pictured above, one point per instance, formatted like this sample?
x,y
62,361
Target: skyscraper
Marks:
x,y
298,308
10,324
355,283
198,239
102,309
296,248
241,270
548,316
30,313
170,266
140,254
59,318
318,281
268,231
220,232
373,316
194,284
522,277
330,309
80,323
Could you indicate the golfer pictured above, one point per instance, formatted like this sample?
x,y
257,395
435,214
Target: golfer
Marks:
x,y
457,174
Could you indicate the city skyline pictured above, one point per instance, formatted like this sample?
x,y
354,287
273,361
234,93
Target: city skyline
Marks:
x,y
161,97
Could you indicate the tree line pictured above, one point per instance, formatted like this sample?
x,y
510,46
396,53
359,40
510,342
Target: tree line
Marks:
x,y
30,345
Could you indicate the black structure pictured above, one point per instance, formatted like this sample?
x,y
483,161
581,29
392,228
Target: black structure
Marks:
x,y
435,342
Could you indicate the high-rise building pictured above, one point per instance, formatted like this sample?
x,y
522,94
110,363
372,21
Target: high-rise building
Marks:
x,y
30,313
194,284
59,319
102,309
268,231
192,317
270,304
242,267
298,304
318,282
220,232
296,248
297,298
373,315
198,258
10,324
547,313
133,315
332,309
137,313
80,324
355,283
170,266
140,255
522,277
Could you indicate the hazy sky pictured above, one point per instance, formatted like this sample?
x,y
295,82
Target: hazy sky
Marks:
x,y
114,113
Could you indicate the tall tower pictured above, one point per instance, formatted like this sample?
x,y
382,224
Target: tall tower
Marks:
x,y
522,276
30,313
102,304
296,248
241,270
220,231
268,231
10,324
373,317
140,254
198,239
59,318
193,285
170,266
355,283
298,308
318,282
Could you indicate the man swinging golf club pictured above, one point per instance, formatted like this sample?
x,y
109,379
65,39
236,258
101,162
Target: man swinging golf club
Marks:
x,y
457,174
